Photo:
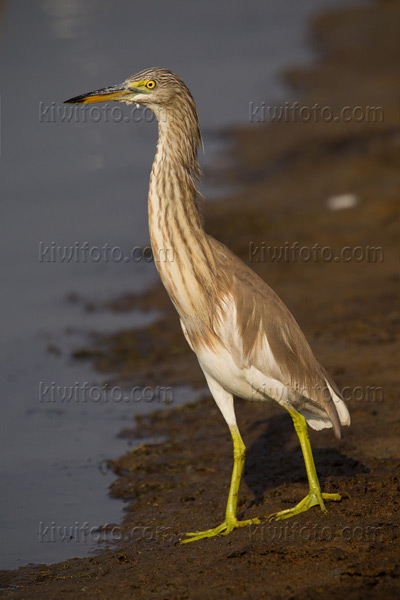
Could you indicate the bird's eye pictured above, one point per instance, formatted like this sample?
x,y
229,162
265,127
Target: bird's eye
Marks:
x,y
151,85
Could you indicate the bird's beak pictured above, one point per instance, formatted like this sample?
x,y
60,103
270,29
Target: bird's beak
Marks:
x,y
119,92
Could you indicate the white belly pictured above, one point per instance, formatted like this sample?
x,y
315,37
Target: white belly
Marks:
x,y
248,383
234,376
221,367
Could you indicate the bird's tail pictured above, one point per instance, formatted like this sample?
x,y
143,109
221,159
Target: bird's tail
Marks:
x,y
336,414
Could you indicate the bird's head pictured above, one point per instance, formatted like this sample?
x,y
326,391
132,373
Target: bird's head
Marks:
x,y
154,88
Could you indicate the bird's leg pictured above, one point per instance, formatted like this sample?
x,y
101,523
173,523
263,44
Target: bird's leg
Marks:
x,y
315,496
231,522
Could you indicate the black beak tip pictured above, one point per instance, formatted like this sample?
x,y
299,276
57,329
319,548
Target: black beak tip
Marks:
x,y
75,99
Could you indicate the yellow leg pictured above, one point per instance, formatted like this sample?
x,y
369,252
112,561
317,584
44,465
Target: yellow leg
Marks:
x,y
230,522
315,496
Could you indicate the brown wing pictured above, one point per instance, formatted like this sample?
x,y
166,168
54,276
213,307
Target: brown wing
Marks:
x,y
260,312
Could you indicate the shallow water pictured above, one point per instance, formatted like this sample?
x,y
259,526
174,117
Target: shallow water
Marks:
x,y
67,183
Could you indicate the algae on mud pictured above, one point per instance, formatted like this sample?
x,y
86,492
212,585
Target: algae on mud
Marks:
x,y
348,311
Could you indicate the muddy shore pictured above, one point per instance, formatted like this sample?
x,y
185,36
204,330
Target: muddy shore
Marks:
x,y
348,308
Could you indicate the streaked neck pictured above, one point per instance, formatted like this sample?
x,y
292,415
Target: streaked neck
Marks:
x,y
180,244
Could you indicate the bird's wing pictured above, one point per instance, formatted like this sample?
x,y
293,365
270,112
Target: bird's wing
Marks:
x,y
266,337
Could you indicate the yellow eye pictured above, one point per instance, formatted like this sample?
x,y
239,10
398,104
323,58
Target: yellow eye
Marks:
x,y
151,85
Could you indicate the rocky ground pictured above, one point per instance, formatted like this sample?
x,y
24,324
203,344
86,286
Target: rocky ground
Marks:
x,y
348,308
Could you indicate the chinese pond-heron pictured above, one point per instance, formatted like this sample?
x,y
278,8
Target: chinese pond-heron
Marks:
x,y
246,340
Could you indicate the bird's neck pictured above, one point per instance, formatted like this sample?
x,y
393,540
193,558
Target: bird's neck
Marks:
x,y
180,245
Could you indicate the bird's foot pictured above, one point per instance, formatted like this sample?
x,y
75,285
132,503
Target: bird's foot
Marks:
x,y
226,527
313,498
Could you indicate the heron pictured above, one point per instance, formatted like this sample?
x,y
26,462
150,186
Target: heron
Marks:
x,y
246,340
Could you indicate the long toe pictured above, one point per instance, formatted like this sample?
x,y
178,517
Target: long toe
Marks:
x,y
223,529
312,499
335,497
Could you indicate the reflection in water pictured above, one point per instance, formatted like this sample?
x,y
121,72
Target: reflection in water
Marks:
x,y
70,20
66,17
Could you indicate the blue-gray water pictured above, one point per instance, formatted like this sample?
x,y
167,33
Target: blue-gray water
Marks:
x,y
66,183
